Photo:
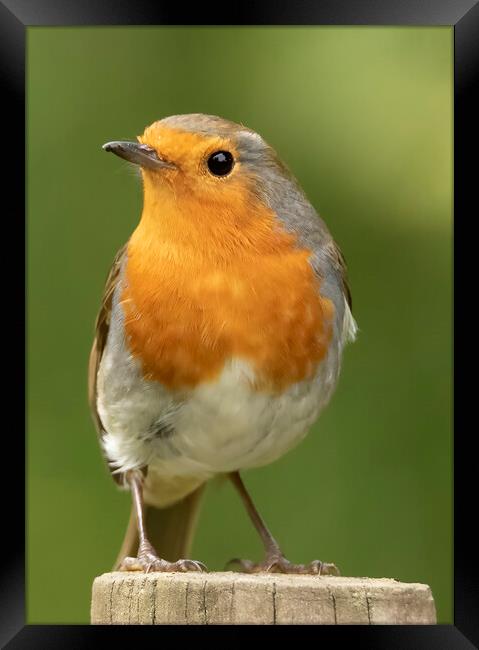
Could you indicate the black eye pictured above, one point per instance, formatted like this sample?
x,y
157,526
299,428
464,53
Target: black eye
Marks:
x,y
220,163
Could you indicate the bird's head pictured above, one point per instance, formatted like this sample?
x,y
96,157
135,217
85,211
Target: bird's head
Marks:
x,y
207,161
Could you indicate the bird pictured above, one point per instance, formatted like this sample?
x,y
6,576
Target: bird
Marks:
x,y
220,334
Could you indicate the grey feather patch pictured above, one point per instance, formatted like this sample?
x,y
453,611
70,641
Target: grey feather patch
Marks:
x,y
161,430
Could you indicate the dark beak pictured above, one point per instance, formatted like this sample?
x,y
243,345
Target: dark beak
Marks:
x,y
139,154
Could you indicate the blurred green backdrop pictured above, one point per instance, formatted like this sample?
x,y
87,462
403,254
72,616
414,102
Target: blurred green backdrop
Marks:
x,y
363,116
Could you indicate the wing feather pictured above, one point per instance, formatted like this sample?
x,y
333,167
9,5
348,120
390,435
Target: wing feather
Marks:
x,y
335,259
335,256
102,327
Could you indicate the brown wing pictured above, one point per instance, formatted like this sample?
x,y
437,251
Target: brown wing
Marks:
x,y
102,326
337,260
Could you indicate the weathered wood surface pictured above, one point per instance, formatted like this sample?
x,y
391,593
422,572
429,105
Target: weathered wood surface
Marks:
x,y
271,599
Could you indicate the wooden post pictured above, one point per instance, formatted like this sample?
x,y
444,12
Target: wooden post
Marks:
x,y
271,599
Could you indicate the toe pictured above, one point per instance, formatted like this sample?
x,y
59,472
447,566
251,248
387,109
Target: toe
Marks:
x,y
246,566
151,563
130,564
315,567
329,569
191,565
280,564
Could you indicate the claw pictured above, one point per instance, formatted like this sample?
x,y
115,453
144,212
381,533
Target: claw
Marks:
x,y
157,564
279,564
328,569
191,565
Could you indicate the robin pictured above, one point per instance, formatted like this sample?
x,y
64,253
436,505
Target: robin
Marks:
x,y
220,333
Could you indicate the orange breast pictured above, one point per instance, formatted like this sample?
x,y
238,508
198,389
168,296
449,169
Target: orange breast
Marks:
x,y
191,303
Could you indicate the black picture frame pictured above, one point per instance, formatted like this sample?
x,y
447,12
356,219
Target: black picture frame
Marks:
x,y
463,15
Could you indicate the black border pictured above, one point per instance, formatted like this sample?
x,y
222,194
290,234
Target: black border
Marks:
x,y
15,16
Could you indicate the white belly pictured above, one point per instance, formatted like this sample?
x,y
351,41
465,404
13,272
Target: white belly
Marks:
x,y
217,427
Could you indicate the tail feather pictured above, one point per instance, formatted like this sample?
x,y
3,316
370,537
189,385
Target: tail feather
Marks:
x,y
170,530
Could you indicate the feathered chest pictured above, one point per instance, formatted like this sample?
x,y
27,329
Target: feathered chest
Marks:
x,y
186,316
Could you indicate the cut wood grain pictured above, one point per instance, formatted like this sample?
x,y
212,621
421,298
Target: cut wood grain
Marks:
x,y
234,598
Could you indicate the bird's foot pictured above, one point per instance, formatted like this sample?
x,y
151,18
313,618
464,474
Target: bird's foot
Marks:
x,y
277,563
147,561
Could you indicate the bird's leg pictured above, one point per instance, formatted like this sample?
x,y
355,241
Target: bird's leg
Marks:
x,y
147,558
274,560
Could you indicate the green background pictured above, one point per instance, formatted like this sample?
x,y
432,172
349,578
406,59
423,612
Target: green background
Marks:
x,y
363,116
